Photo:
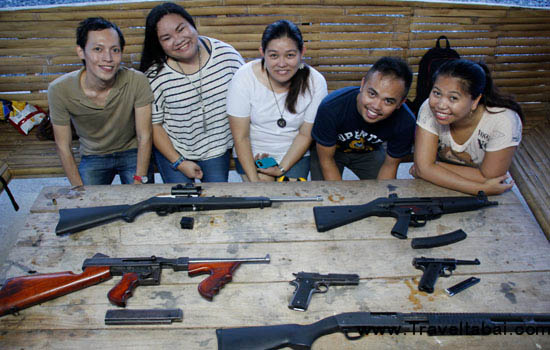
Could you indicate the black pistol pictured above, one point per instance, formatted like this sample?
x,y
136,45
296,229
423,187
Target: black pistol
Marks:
x,y
308,283
433,268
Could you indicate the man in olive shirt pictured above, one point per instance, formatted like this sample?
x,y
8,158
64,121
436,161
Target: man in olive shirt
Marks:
x,y
110,108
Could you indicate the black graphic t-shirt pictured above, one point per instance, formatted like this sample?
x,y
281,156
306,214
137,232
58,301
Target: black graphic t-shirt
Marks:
x,y
339,123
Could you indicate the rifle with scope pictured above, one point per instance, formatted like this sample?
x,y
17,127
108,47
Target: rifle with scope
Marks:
x,y
181,199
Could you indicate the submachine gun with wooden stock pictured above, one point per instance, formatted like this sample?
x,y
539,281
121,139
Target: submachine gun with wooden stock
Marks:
x,y
22,292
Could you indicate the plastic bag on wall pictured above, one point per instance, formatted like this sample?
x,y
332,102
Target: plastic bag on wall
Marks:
x,y
25,116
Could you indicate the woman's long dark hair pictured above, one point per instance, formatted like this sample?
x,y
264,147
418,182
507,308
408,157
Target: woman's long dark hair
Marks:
x,y
152,53
476,80
299,82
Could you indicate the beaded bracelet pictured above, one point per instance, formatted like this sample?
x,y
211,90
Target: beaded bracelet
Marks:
x,y
177,163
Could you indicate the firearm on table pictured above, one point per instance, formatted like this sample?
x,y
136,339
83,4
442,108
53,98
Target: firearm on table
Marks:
x,y
22,292
308,283
434,268
414,211
355,325
78,219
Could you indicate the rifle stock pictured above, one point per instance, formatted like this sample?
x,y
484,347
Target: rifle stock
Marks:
x,y
329,217
294,336
78,219
22,292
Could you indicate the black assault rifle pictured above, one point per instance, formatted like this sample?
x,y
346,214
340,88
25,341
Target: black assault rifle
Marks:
x,y
181,199
414,211
354,325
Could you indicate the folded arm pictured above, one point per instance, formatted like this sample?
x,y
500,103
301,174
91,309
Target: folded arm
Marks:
x,y
489,177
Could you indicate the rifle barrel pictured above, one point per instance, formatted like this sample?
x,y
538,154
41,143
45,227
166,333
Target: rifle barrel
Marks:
x,y
296,199
267,258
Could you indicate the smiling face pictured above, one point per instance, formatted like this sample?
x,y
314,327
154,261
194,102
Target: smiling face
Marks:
x,y
282,60
102,54
380,96
178,38
449,101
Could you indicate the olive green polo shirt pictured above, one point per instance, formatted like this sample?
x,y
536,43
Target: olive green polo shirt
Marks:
x,y
102,129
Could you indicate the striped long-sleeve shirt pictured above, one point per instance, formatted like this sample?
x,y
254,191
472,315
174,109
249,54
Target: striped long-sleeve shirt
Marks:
x,y
179,109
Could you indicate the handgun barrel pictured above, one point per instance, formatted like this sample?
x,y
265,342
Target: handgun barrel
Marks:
x,y
337,278
424,261
468,262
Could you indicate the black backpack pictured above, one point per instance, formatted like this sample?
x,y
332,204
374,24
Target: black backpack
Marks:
x,y
430,62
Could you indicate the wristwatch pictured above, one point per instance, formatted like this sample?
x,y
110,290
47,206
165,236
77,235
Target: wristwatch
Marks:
x,y
143,179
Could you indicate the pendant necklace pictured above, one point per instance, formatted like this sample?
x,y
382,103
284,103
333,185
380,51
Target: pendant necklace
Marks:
x,y
199,90
281,122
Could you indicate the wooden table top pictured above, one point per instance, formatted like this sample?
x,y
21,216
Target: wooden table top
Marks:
x,y
514,270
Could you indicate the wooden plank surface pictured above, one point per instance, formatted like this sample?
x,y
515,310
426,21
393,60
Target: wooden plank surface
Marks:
x,y
5,174
514,270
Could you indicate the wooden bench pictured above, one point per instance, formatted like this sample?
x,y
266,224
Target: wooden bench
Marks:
x,y
343,38
531,172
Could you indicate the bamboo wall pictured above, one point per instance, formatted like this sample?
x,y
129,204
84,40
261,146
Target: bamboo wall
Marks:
x,y
343,38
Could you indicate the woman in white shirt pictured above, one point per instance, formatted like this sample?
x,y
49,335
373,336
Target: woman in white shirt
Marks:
x,y
467,131
272,105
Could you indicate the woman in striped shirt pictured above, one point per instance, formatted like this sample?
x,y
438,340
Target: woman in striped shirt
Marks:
x,y
189,75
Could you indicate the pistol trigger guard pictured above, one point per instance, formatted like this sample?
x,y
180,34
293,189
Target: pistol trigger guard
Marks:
x,y
446,272
321,288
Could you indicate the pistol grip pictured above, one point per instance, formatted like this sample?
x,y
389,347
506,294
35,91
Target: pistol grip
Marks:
x,y
431,273
401,227
124,289
220,273
302,294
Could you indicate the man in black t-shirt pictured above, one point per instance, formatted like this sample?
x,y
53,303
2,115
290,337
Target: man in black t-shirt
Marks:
x,y
352,124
